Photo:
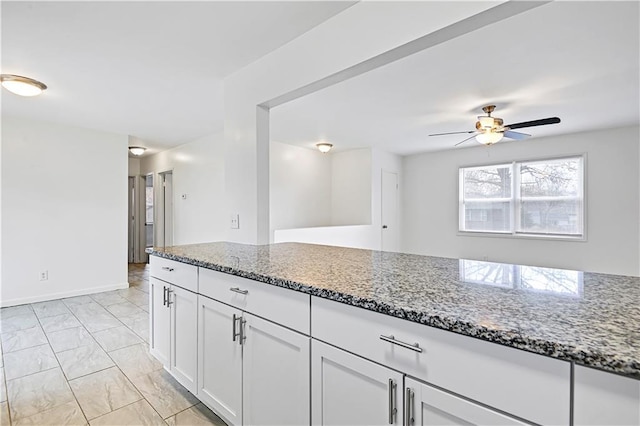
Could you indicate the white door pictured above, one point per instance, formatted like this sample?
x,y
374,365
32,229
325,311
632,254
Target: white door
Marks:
x,y
131,216
275,375
160,319
349,390
390,231
184,343
220,359
428,406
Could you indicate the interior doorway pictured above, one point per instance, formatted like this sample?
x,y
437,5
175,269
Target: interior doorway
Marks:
x,y
164,210
132,220
389,196
148,212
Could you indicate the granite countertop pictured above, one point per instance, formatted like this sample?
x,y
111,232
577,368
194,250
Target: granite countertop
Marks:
x,y
589,318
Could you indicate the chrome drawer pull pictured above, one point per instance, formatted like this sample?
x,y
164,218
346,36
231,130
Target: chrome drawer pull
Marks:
x,y
237,290
166,268
408,413
415,347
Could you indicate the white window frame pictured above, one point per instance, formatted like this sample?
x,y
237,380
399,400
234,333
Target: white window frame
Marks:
x,y
516,199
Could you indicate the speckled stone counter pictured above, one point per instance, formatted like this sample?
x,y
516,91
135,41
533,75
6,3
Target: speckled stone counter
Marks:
x,y
588,318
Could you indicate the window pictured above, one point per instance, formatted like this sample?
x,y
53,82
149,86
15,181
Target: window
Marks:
x,y
527,197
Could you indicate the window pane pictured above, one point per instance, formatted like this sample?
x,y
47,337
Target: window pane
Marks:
x,y
492,216
551,178
487,182
551,216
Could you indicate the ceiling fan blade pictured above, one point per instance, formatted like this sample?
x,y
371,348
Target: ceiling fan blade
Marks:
x,y
515,135
452,133
470,137
541,122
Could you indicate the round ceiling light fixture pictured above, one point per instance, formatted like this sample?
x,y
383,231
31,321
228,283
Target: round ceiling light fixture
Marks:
x,y
324,147
137,150
22,86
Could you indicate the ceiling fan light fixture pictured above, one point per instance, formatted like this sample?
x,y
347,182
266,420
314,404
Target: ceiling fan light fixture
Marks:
x,y
486,122
22,86
324,147
137,150
489,138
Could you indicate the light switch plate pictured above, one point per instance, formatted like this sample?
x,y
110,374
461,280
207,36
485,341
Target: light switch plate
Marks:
x,y
235,221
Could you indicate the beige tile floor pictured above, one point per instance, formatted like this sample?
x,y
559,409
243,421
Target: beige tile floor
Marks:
x,y
85,360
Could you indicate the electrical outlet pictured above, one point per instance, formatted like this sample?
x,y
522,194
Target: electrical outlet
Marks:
x,y
235,221
44,275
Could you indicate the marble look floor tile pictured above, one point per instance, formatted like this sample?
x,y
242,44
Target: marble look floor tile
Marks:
x,y
70,338
65,414
83,360
164,393
135,296
125,309
18,322
12,311
102,392
198,415
22,339
135,360
59,322
3,388
138,413
143,286
50,308
94,317
139,324
38,392
108,298
28,361
77,300
4,414
116,338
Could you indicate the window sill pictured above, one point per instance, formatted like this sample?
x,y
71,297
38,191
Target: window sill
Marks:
x,y
543,237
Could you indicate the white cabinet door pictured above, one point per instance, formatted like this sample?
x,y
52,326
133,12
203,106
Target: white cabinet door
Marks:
x,y
275,377
184,343
219,359
160,318
428,406
349,390
602,398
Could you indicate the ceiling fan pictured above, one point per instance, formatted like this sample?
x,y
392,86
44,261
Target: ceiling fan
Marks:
x,y
490,130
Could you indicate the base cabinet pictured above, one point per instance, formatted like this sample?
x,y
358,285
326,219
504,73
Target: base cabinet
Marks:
x,y
251,371
174,322
428,406
349,390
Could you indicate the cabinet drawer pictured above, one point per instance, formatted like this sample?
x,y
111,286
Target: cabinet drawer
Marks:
x,y
280,305
177,273
530,386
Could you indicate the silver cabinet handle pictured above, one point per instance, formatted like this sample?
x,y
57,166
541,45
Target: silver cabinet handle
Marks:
x,y
169,302
408,408
164,296
415,347
166,268
392,401
242,336
238,290
235,333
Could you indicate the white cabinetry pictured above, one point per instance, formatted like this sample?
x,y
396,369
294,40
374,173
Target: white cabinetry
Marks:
x,y
174,319
349,390
602,398
253,371
428,406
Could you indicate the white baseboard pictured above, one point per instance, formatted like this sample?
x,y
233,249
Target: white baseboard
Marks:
x,y
61,295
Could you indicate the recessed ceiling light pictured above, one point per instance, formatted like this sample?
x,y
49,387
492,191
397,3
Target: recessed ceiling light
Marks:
x,y
23,86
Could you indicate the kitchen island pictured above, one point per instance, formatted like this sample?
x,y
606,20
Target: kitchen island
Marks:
x,y
579,318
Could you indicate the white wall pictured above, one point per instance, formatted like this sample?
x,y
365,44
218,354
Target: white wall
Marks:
x,y
134,166
300,187
198,172
351,187
64,210
359,33
430,205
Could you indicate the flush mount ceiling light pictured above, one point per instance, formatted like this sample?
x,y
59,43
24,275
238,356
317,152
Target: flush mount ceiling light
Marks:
x,y
324,147
23,86
137,150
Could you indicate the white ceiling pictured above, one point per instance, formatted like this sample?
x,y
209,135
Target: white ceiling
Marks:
x,y
151,70
575,60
